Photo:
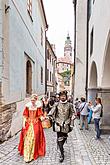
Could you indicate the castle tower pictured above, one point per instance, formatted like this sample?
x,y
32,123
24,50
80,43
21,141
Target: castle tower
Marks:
x,y
68,48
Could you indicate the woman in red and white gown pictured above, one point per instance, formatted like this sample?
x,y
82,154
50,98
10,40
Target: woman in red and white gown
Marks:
x,y
32,140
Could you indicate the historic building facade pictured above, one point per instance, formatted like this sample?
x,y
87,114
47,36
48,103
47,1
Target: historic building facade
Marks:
x,y
93,53
64,65
99,55
60,83
22,58
80,49
51,59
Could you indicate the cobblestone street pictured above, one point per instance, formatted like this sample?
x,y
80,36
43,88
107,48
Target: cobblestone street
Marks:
x,y
80,149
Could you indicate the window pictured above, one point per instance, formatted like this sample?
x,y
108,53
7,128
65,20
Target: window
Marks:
x,y
93,1
47,53
41,75
50,76
47,75
91,41
52,61
29,8
67,83
53,77
28,77
54,64
90,8
50,58
41,36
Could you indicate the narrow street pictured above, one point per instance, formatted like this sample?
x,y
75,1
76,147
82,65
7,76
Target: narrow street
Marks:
x,y
80,149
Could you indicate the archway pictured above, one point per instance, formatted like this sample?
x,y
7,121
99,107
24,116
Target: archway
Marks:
x,y
106,68
92,90
105,84
28,77
93,76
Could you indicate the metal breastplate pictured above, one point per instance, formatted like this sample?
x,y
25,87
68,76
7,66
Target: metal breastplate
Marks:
x,y
63,112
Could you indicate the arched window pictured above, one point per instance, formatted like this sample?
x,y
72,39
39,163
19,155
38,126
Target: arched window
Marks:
x,y
28,77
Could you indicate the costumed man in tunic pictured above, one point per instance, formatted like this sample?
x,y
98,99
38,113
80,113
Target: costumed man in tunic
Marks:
x,y
32,139
62,113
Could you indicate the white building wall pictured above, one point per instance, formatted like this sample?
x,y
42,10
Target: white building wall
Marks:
x,y
1,40
51,66
80,66
21,40
100,20
24,37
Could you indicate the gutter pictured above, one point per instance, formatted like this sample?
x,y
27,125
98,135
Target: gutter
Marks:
x,y
74,69
44,13
87,50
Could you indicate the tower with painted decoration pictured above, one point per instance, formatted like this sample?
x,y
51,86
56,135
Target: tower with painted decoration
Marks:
x,y
68,48
65,65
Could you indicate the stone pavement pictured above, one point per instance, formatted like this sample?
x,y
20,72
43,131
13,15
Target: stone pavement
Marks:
x,y
80,149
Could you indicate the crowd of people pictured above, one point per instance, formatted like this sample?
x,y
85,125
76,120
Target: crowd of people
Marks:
x,y
60,112
86,111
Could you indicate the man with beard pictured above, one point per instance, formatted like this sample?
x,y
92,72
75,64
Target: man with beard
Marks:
x,y
62,114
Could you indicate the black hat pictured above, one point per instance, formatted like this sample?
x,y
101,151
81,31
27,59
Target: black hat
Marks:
x,y
63,93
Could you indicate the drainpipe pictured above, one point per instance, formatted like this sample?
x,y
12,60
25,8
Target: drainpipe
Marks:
x,y
45,64
87,50
74,4
1,50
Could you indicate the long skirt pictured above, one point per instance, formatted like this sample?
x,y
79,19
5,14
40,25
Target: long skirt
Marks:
x,y
32,142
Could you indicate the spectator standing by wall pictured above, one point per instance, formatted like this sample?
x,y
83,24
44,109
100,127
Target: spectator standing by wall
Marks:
x,y
96,116
83,114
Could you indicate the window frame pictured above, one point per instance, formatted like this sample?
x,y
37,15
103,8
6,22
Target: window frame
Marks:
x,y
41,36
41,75
91,41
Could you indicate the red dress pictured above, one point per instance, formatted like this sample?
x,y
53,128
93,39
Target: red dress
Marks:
x,y
32,139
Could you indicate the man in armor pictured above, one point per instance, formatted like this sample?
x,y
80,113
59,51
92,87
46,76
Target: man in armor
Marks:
x,y
62,114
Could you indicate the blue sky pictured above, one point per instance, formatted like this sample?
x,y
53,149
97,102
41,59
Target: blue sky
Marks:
x,y
60,18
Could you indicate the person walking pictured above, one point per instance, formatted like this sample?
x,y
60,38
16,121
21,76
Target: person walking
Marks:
x,y
83,114
46,108
76,105
45,105
96,116
62,115
32,139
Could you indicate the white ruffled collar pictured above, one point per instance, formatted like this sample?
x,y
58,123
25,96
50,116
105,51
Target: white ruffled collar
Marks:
x,y
37,105
63,102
